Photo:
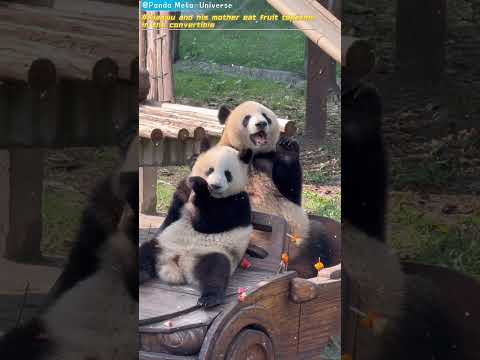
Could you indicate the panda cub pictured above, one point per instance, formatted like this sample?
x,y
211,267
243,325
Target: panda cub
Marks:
x,y
205,245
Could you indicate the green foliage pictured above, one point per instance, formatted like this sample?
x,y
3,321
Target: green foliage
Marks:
x,y
61,218
267,49
317,204
312,202
423,238
218,89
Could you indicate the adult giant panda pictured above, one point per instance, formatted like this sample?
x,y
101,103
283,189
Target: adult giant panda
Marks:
x,y
93,310
206,243
275,180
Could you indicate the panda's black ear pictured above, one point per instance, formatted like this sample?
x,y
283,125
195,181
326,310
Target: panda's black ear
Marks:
x,y
223,114
205,145
246,156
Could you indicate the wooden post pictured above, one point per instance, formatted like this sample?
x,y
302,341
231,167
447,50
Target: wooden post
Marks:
x,y
4,199
420,39
165,66
335,7
148,190
25,205
175,48
317,92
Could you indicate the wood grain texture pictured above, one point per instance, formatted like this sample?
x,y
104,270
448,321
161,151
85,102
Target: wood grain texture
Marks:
x,y
68,38
324,30
267,308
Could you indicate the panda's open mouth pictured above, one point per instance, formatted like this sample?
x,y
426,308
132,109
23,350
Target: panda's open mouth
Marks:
x,y
259,138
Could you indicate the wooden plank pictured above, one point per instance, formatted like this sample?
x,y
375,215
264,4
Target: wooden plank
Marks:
x,y
324,30
69,39
26,187
266,306
319,320
148,190
159,301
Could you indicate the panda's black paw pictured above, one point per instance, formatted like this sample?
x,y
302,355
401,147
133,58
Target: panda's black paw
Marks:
x,y
210,300
198,185
288,144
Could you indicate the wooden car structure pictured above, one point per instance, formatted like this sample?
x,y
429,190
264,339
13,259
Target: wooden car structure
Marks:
x,y
280,316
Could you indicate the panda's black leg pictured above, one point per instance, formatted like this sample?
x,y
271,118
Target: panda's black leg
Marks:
x,y
212,272
147,261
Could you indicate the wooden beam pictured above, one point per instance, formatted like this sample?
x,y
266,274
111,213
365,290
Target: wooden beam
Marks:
x,y
304,290
324,30
73,41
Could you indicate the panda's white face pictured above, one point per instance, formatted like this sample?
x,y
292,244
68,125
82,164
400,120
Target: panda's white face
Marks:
x,y
251,126
223,170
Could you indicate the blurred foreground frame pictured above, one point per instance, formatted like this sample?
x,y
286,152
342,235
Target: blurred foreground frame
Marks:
x,y
426,52
68,78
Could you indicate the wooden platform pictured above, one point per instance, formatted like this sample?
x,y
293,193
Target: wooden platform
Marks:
x,y
24,293
171,133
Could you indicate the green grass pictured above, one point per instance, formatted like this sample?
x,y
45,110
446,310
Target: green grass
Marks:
x,y
312,202
164,197
280,50
276,50
317,177
214,90
429,173
319,205
426,240
61,218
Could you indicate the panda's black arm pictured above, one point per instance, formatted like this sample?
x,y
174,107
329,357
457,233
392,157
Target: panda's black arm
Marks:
x,y
287,171
180,197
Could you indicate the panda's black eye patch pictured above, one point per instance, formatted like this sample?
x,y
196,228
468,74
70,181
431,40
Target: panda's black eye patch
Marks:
x,y
209,171
228,175
268,119
246,119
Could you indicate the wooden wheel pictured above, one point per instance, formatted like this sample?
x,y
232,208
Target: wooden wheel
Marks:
x,y
251,344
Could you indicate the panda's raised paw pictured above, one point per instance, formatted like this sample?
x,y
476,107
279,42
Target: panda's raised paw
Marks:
x,y
198,185
288,144
210,300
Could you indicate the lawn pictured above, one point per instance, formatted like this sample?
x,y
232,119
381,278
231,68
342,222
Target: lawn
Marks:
x,y
267,49
424,231
312,202
212,90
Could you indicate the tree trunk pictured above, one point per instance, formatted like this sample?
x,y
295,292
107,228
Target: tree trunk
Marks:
x,y
420,39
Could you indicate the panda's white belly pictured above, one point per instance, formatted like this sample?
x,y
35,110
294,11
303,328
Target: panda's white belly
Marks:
x,y
180,241
94,320
265,197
